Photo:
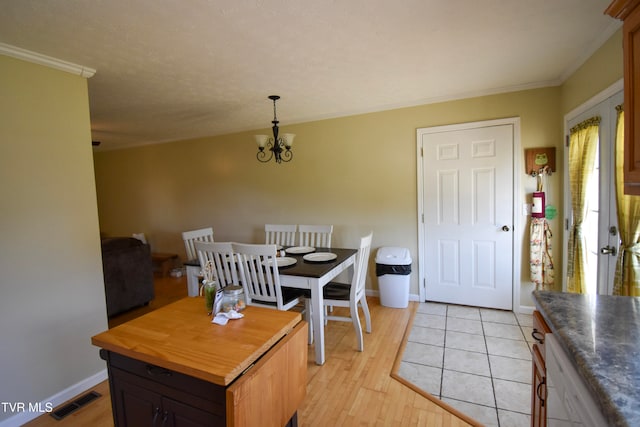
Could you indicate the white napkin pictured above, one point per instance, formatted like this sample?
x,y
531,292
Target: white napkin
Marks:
x,y
223,317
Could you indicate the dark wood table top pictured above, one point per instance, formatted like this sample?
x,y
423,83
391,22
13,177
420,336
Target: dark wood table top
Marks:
x,y
305,268
316,269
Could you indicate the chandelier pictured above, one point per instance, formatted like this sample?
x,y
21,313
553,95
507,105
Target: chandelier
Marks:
x,y
280,146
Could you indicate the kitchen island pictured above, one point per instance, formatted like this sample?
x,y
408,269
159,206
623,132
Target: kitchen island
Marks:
x,y
601,338
174,367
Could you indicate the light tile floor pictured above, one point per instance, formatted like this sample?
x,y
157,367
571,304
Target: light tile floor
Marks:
x,y
474,359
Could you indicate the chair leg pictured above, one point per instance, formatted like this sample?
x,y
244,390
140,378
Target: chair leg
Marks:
x,y
308,318
353,308
367,315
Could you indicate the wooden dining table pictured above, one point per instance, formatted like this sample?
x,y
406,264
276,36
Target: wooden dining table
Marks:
x,y
314,276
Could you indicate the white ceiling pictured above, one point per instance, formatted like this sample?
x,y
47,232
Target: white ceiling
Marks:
x,y
178,69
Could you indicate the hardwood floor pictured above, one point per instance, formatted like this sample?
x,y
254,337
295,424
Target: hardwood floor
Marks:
x,y
351,388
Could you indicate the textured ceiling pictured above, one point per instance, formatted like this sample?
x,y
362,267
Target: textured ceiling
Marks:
x,y
178,69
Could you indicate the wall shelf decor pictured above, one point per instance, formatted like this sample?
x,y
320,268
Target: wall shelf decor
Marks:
x,y
540,159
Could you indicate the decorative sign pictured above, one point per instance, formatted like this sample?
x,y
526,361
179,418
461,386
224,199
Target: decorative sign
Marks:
x,y
537,159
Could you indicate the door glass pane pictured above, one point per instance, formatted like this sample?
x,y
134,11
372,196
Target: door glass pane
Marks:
x,y
591,226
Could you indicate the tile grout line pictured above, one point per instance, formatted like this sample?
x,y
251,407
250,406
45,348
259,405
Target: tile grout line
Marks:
x,y
493,384
444,349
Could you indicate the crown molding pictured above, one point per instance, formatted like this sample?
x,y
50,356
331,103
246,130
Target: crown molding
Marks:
x,y
45,60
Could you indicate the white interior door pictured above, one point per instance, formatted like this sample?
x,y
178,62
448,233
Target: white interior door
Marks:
x,y
468,214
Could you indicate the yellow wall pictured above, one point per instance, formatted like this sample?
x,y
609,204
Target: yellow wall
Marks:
x,y
599,72
52,298
357,172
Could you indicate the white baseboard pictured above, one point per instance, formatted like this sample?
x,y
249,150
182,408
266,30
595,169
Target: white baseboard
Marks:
x,y
372,293
526,309
523,309
57,399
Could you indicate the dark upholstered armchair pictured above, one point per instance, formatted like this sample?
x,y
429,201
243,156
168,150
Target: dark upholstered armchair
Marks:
x,y
128,274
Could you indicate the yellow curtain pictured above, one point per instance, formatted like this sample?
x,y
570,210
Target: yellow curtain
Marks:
x,y
627,278
583,142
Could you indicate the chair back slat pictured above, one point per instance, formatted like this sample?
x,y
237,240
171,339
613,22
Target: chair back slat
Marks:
x,y
317,236
190,237
221,255
260,276
280,234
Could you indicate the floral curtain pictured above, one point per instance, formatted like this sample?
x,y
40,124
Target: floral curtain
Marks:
x,y
627,278
583,143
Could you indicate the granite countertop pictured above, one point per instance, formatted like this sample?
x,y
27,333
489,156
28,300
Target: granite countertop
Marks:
x,y
601,334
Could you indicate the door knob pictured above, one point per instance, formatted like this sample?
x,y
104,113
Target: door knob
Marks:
x,y
505,228
608,250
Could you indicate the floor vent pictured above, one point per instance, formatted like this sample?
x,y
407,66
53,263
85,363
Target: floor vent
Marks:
x,y
67,409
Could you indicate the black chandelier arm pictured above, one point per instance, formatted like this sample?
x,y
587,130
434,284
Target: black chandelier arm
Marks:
x,y
286,155
262,153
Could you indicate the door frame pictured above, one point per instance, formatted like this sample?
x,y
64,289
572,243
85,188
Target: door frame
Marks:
x,y
600,97
517,200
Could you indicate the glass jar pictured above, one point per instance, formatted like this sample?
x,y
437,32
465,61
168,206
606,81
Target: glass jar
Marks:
x,y
233,299
209,290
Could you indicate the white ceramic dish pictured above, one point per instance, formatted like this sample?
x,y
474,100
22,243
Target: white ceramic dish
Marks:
x,y
320,257
299,250
284,261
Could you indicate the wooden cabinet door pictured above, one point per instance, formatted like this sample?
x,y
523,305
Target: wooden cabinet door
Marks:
x,y
538,389
136,406
631,37
182,415
629,12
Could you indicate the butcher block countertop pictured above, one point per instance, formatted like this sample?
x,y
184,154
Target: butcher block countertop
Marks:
x,y
181,337
601,336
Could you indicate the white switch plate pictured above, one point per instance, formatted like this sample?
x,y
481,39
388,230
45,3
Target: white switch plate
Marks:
x,y
526,209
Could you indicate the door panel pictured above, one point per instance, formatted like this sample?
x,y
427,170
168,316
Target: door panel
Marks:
x,y
468,198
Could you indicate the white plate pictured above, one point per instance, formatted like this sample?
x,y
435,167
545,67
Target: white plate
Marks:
x,y
298,250
320,257
284,261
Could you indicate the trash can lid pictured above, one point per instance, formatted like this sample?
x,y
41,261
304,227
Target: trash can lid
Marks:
x,y
390,255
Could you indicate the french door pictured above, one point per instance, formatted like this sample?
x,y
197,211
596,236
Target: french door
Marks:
x,y
600,226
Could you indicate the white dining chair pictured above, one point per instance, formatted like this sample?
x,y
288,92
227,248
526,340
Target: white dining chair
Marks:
x,y
193,271
315,235
280,234
190,237
352,295
260,277
223,259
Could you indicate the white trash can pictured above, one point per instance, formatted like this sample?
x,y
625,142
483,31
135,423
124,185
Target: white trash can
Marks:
x,y
393,268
